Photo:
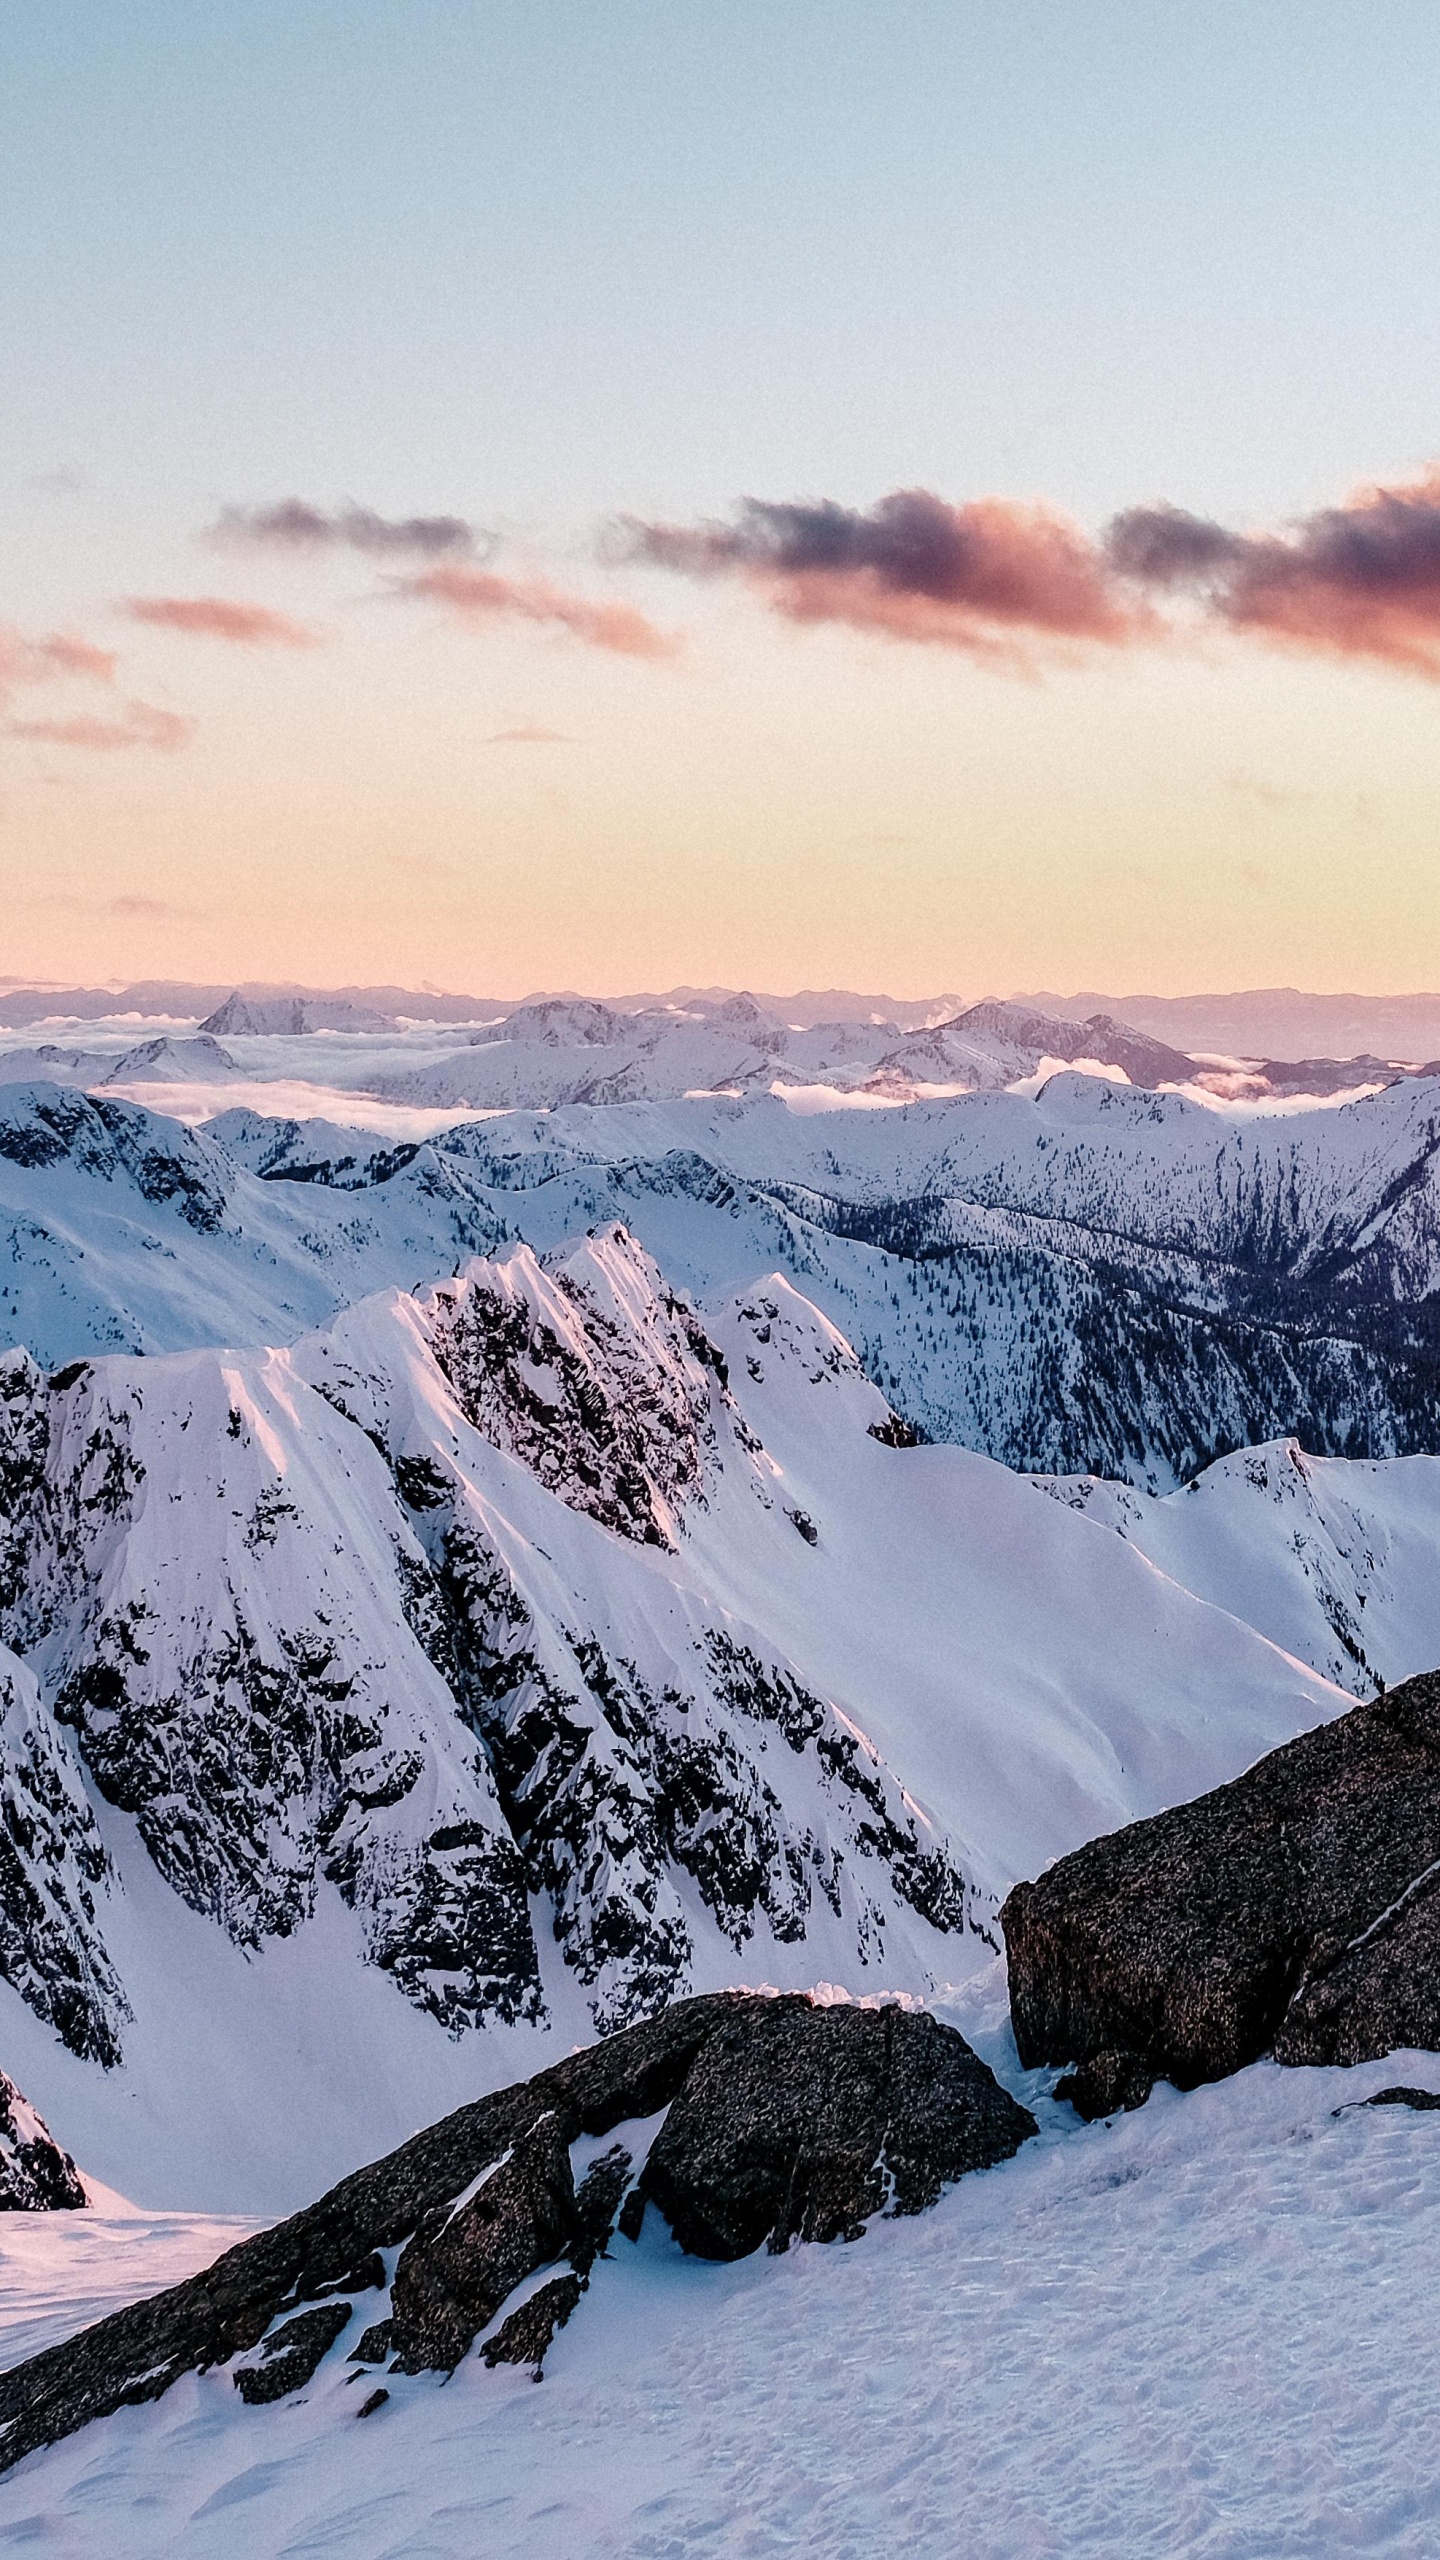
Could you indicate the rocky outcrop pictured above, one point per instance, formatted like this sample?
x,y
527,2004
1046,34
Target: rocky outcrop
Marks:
x,y
800,2123
36,2176
1296,1910
784,2119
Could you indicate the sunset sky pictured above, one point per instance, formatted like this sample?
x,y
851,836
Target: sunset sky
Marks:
x,y
604,493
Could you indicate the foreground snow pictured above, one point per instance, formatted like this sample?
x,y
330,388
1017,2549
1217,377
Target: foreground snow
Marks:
x,y
60,2271
1204,2329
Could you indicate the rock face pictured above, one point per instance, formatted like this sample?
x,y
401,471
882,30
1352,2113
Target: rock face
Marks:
x,y
1296,1910
784,2119
36,2176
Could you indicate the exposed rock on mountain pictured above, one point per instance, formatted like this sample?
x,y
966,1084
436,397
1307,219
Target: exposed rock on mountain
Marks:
x,y
371,1616
1295,1910
785,2120
36,2176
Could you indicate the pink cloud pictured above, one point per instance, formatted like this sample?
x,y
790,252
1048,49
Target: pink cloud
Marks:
x,y
59,654
140,724
246,626
480,595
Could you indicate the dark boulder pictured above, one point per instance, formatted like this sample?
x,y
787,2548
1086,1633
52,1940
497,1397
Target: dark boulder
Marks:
x,y
292,2354
783,2119
1109,2084
1296,1910
798,2122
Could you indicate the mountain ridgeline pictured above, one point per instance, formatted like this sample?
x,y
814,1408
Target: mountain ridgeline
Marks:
x,y
1099,1279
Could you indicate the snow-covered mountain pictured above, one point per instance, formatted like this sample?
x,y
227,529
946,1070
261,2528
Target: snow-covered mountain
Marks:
x,y
504,1658
462,1589
1095,1278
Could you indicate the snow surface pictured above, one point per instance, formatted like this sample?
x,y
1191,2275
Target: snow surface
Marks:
x,y
1205,2329
61,2271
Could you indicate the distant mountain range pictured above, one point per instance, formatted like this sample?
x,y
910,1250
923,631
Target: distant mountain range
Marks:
x,y
1259,1023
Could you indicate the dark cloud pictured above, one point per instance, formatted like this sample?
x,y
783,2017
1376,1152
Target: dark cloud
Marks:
x,y
292,524
1165,547
1360,580
1010,584
529,733
993,578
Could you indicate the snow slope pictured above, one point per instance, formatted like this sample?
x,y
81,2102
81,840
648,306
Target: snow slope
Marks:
x,y
1336,1560
1204,2329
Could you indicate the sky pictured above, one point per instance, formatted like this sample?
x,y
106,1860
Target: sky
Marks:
x,y
886,493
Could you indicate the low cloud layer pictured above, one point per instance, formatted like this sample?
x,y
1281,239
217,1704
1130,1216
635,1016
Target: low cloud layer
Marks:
x,y
244,626
478,596
292,524
1014,585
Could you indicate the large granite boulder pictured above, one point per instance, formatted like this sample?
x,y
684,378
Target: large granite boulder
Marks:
x,y
784,2119
1294,1911
800,2123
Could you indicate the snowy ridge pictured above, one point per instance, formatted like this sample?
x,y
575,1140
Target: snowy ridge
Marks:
x,y
1336,1558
